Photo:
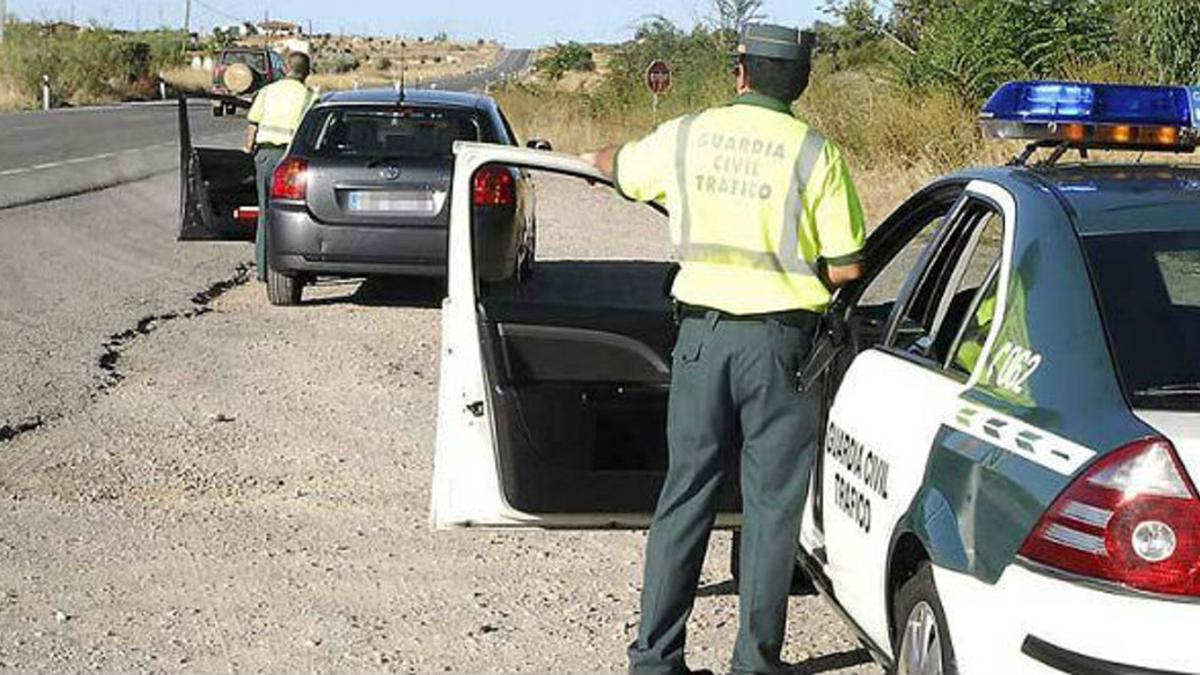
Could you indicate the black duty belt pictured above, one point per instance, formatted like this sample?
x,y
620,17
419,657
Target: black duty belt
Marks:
x,y
796,318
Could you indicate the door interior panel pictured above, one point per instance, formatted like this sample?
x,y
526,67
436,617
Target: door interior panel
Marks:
x,y
216,182
578,359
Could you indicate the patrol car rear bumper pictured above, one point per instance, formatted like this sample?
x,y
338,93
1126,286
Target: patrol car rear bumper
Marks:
x,y
1069,662
1040,624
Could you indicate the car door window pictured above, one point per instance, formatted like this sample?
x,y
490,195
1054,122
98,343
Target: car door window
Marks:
x,y
885,286
954,275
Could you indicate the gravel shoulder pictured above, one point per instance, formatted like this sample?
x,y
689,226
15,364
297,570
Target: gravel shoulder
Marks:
x,y
253,496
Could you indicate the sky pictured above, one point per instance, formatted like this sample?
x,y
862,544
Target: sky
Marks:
x,y
517,23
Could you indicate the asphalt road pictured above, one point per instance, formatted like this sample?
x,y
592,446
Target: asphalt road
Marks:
x,y
76,272
36,141
511,62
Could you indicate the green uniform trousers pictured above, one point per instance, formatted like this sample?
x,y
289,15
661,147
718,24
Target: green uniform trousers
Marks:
x,y
729,375
265,160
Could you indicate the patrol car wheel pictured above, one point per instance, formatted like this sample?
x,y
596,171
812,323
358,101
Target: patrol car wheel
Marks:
x,y
923,640
283,290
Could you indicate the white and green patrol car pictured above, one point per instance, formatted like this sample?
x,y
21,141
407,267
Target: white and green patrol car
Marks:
x,y
1012,419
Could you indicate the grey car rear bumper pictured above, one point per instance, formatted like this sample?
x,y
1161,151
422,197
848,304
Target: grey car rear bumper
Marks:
x,y
300,244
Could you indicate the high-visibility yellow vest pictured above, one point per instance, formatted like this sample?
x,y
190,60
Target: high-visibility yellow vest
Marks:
x,y
758,201
278,109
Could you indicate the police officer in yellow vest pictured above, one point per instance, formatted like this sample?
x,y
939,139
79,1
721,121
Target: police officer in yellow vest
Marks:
x,y
766,223
274,118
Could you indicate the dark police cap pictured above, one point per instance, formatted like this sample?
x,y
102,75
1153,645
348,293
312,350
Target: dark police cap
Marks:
x,y
776,42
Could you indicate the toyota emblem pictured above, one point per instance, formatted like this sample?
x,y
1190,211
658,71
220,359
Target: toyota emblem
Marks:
x,y
390,172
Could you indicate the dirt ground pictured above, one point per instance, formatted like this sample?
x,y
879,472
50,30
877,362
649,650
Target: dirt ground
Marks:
x,y
253,496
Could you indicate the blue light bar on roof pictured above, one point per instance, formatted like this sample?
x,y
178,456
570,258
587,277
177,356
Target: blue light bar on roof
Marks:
x,y
1085,115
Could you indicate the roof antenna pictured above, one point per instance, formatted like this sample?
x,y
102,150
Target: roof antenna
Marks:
x,y
400,86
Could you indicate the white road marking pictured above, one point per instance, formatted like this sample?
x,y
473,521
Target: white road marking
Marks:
x,y
91,158
66,162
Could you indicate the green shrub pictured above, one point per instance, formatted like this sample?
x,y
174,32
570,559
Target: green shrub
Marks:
x,y
564,58
1160,39
969,47
700,70
340,63
85,67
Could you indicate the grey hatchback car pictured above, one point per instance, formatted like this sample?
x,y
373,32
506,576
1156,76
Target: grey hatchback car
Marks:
x,y
364,191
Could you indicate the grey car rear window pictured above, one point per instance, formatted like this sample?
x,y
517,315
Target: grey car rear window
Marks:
x,y
388,132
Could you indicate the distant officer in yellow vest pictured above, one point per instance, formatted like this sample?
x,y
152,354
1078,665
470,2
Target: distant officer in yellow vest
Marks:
x,y
766,224
274,118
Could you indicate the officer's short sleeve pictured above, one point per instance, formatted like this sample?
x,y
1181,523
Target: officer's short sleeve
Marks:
x,y
644,168
836,211
256,109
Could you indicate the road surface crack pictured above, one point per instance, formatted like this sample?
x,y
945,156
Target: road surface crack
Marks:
x,y
117,343
11,431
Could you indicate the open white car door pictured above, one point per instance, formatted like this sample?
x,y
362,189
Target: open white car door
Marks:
x,y
552,395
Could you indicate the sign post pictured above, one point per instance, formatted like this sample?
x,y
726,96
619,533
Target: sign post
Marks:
x,y
658,80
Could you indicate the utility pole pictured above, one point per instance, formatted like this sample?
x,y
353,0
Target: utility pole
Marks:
x,y
3,18
187,24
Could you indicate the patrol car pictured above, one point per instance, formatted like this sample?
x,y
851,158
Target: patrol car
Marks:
x,y
1012,400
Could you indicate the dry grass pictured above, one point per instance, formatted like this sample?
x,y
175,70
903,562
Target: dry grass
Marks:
x,y
894,144
11,99
355,80
563,119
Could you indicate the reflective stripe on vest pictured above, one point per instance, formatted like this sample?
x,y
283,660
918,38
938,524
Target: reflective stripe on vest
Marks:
x,y
787,259
280,119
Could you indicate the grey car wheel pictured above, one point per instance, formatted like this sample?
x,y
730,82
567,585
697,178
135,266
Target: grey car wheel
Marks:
x,y
923,644
529,257
283,290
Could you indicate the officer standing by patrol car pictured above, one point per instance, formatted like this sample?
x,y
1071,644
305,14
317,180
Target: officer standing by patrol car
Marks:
x,y
274,118
766,223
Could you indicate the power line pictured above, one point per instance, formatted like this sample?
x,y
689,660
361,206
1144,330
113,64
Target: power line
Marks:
x,y
221,13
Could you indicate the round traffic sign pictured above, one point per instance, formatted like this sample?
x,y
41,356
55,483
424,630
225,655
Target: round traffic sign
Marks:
x,y
658,77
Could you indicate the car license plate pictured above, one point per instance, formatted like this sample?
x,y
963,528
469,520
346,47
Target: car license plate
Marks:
x,y
409,202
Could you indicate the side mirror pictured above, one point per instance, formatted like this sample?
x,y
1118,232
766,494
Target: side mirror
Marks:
x,y
539,144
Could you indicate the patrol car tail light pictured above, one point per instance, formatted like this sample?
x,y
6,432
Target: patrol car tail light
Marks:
x,y
290,180
493,186
1132,519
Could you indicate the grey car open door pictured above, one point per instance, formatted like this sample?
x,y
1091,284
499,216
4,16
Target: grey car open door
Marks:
x,y
218,200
